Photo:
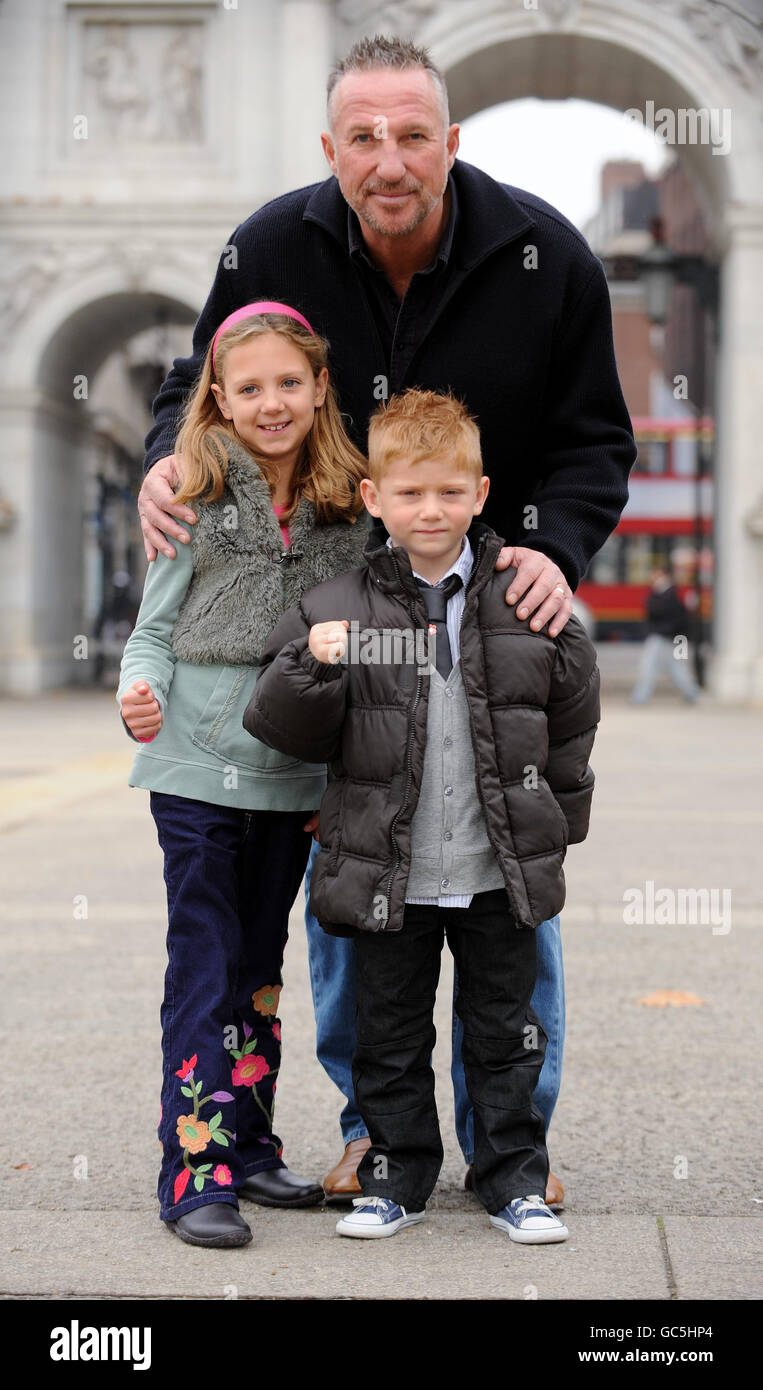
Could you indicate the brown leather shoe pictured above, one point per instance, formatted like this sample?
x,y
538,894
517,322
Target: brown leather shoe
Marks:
x,y
554,1189
342,1181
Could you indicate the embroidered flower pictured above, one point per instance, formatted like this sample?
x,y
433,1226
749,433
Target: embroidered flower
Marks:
x,y
181,1183
193,1133
187,1067
249,1069
222,1175
266,999
276,1031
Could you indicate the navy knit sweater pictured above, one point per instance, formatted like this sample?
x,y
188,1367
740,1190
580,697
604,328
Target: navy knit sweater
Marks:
x,y
521,331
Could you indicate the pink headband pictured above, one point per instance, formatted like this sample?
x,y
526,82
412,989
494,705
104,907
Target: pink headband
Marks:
x,y
262,306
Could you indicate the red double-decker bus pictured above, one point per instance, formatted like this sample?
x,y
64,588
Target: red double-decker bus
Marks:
x,y
667,521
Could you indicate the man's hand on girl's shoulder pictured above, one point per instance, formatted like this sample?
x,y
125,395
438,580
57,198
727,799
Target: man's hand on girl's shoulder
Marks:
x,y
158,509
140,711
541,586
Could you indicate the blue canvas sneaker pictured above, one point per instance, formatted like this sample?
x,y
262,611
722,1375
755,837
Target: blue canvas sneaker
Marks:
x,y
529,1221
376,1216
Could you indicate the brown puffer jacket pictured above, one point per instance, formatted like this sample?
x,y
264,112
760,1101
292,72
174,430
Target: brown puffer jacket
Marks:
x,y
533,702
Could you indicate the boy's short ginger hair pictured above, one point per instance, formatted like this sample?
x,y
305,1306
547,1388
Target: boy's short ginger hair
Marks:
x,y
419,425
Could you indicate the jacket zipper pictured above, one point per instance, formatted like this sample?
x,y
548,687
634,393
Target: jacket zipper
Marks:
x,y
478,779
401,808
408,769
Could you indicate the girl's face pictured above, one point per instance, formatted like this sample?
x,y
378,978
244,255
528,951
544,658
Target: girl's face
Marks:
x,y
270,395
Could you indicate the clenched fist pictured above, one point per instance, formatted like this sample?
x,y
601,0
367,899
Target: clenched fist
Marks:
x,y
328,641
140,711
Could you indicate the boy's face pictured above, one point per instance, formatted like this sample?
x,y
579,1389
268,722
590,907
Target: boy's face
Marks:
x,y
427,508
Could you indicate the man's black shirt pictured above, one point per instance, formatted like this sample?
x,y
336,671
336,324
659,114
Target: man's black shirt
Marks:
x,y
400,322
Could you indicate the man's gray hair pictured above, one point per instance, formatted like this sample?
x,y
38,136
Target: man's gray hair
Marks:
x,y
368,54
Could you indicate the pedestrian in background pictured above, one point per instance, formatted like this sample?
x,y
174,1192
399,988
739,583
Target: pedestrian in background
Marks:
x,y
667,617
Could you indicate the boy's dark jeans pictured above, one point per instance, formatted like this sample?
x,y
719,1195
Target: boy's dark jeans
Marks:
x,y
232,876
503,1050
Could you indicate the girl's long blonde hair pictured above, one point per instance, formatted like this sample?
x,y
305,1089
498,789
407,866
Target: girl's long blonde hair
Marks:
x,y
329,468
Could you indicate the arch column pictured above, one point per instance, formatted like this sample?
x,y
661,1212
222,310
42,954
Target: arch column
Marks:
x,y
736,671
41,476
47,431
306,50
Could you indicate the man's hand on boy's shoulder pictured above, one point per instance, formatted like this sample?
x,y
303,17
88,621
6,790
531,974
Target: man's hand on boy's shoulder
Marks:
x,y
541,586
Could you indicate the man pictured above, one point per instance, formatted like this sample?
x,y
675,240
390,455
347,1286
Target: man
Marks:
x,y
421,270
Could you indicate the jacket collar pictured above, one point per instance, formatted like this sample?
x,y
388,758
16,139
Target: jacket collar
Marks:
x,y
488,215
390,567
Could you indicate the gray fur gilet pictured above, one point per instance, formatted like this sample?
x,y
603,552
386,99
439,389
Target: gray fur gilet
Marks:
x,y
241,582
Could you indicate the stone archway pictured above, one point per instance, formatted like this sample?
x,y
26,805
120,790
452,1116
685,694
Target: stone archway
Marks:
x,y
58,348
684,54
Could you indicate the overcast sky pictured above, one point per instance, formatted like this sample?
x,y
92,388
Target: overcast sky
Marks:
x,y
556,149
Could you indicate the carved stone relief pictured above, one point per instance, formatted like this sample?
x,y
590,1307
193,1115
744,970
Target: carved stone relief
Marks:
x,y
141,82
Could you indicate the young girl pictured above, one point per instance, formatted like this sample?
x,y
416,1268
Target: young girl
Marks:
x,y
275,480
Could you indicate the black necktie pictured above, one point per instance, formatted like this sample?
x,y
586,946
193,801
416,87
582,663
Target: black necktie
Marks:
x,y
436,599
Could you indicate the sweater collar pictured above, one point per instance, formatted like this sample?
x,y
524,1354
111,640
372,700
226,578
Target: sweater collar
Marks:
x,y
488,215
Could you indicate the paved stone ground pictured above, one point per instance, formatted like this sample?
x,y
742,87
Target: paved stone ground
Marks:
x,y
648,1093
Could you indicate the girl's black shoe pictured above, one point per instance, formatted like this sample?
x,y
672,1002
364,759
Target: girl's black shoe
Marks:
x,y
215,1224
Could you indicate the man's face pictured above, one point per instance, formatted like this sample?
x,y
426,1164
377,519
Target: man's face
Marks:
x,y
426,506
389,149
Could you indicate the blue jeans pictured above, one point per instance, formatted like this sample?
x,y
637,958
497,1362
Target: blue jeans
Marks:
x,y
232,876
332,978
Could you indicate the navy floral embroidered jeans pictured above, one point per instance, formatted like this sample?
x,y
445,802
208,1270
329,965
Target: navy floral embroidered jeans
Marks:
x,y
232,877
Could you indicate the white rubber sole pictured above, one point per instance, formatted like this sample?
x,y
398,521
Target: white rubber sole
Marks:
x,y
346,1227
548,1237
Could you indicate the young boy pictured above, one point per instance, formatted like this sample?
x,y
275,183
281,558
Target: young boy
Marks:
x,y
457,740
